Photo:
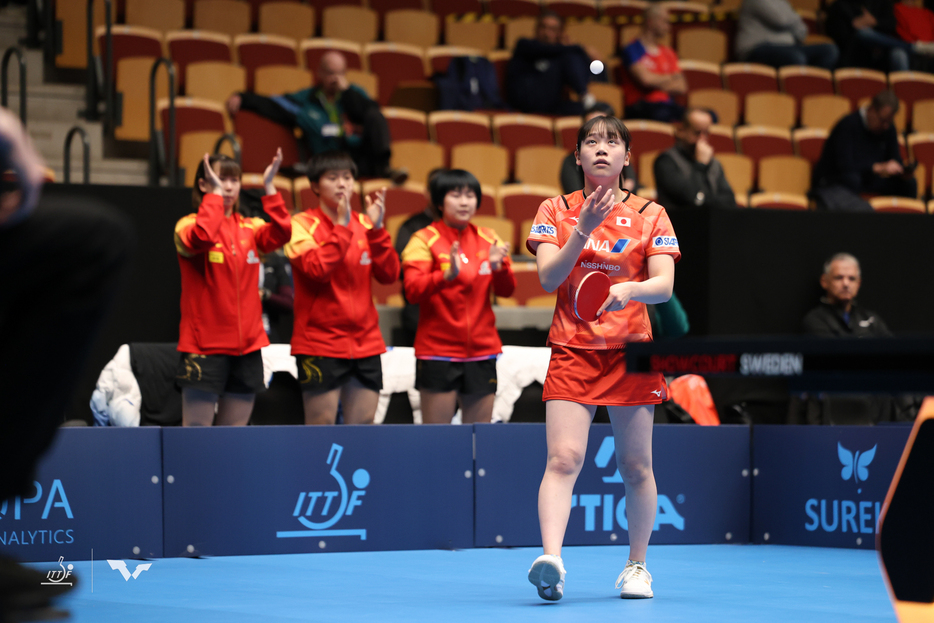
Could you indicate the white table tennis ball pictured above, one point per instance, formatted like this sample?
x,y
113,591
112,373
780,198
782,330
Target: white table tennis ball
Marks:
x,y
596,67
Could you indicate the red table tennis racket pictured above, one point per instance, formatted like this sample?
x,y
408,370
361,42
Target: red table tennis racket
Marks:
x,y
591,292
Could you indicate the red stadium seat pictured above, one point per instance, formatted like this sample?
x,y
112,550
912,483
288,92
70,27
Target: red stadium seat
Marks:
x,y
500,58
259,138
809,142
260,50
311,51
394,63
407,199
722,140
520,202
439,56
129,42
196,46
746,78
443,8
574,9
527,282
192,115
760,141
857,84
911,87
626,9
921,148
513,131
800,81
513,8
406,124
898,205
779,201
566,129
649,136
450,128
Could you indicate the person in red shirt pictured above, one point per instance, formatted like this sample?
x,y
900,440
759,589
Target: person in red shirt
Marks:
x,y
334,253
915,24
600,228
451,269
221,332
652,75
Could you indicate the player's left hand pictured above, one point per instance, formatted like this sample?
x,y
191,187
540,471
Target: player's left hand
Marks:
x,y
270,173
497,254
376,208
620,294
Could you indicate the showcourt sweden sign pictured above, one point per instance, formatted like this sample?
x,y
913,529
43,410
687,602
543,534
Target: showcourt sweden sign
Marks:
x,y
318,511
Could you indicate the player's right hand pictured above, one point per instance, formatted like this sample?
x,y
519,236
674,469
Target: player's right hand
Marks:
x,y
596,208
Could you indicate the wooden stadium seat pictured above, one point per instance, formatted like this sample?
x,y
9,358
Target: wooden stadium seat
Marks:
x,y
439,57
772,109
800,81
922,116
566,129
274,80
779,201
366,81
259,138
394,63
514,131
857,84
488,204
382,7
758,141
215,81
739,171
823,111
350,23
902,205
784,174
164,15
572,9
701,75
455,7
133,85
528,284
406,124
809,142
921,148
503,227
693,9
194,46
649,136
488,162
721,139
311,51
412,27
71,18
513,8
540,165
608,93
746,78
646,170
191,149
518,28
481,35
601,36
287,19
419,158
723,102
254,51
192,115
450,127
623,8
702,44
231,17
910,87
129,42
519,203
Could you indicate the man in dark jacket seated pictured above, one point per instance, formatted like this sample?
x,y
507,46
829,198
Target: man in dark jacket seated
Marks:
x,y
861,156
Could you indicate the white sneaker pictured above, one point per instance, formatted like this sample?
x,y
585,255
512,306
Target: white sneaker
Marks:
x,y
547,574
635,582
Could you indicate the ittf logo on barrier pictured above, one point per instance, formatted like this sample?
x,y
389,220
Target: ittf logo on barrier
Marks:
x,y
318,510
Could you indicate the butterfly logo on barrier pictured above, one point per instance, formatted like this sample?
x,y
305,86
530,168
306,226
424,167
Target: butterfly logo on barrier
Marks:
x,y
854,463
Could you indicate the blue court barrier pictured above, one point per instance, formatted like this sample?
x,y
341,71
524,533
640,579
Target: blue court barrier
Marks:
x,y
96,489
283,490
702,473
822,485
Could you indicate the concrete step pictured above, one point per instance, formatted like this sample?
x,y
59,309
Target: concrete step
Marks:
x,y
12,25
104,171
49,138
49,102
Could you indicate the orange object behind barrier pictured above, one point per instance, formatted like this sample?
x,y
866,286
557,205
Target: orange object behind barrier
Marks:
x,y
691,392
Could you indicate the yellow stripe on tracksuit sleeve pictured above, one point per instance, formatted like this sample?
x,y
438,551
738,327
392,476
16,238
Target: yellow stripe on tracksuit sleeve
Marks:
x,y
302,237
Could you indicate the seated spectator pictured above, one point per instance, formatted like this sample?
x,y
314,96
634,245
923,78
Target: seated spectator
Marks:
x,y
572,176
915,24
541,70
772,33
861,156
333,116
687,175
864,31
653,75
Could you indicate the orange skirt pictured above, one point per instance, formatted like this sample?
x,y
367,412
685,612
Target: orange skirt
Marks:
x,y
599,377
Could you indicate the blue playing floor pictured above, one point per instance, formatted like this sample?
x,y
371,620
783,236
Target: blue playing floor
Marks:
x,y
693,583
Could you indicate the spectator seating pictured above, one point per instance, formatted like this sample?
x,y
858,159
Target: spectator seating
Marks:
x,y
898,205
771,109
746,78
609,93
287,19
259,138
311,51
519,203
758,141
192,115
350,23
527,282
164,15
779,201
518,28
910,87
255,51
857,84
366,81
513,8
503,227
809,142
231,17
488,162
273,80
406,124
129,42
702,44
214,81
407,199
480,35
445,8
739,171
394,63
921,150
601,37
540,165
419,158
439,56
800,81
724,103
823,111
72,49
922,116
412,27
192,46
572,9
132,84
649,136
514,131
701,75
626,9
191,149
566,129
784,174
722,140
450,128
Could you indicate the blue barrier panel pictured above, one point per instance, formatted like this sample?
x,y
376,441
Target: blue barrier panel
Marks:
x,y
281,489
96,488
822,485
702,474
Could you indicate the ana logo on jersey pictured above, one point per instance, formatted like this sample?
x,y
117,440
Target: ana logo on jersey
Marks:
x,y
603,246
365,259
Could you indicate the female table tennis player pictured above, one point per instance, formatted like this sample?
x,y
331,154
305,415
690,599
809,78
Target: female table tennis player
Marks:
x,y
334,251
606,229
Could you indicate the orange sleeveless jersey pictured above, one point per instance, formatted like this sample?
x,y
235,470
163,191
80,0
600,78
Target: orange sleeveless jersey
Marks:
x,y
620,247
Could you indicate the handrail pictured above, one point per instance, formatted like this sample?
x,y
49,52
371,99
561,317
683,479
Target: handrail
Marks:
x,y
86,153
4,74
234,144
154,160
